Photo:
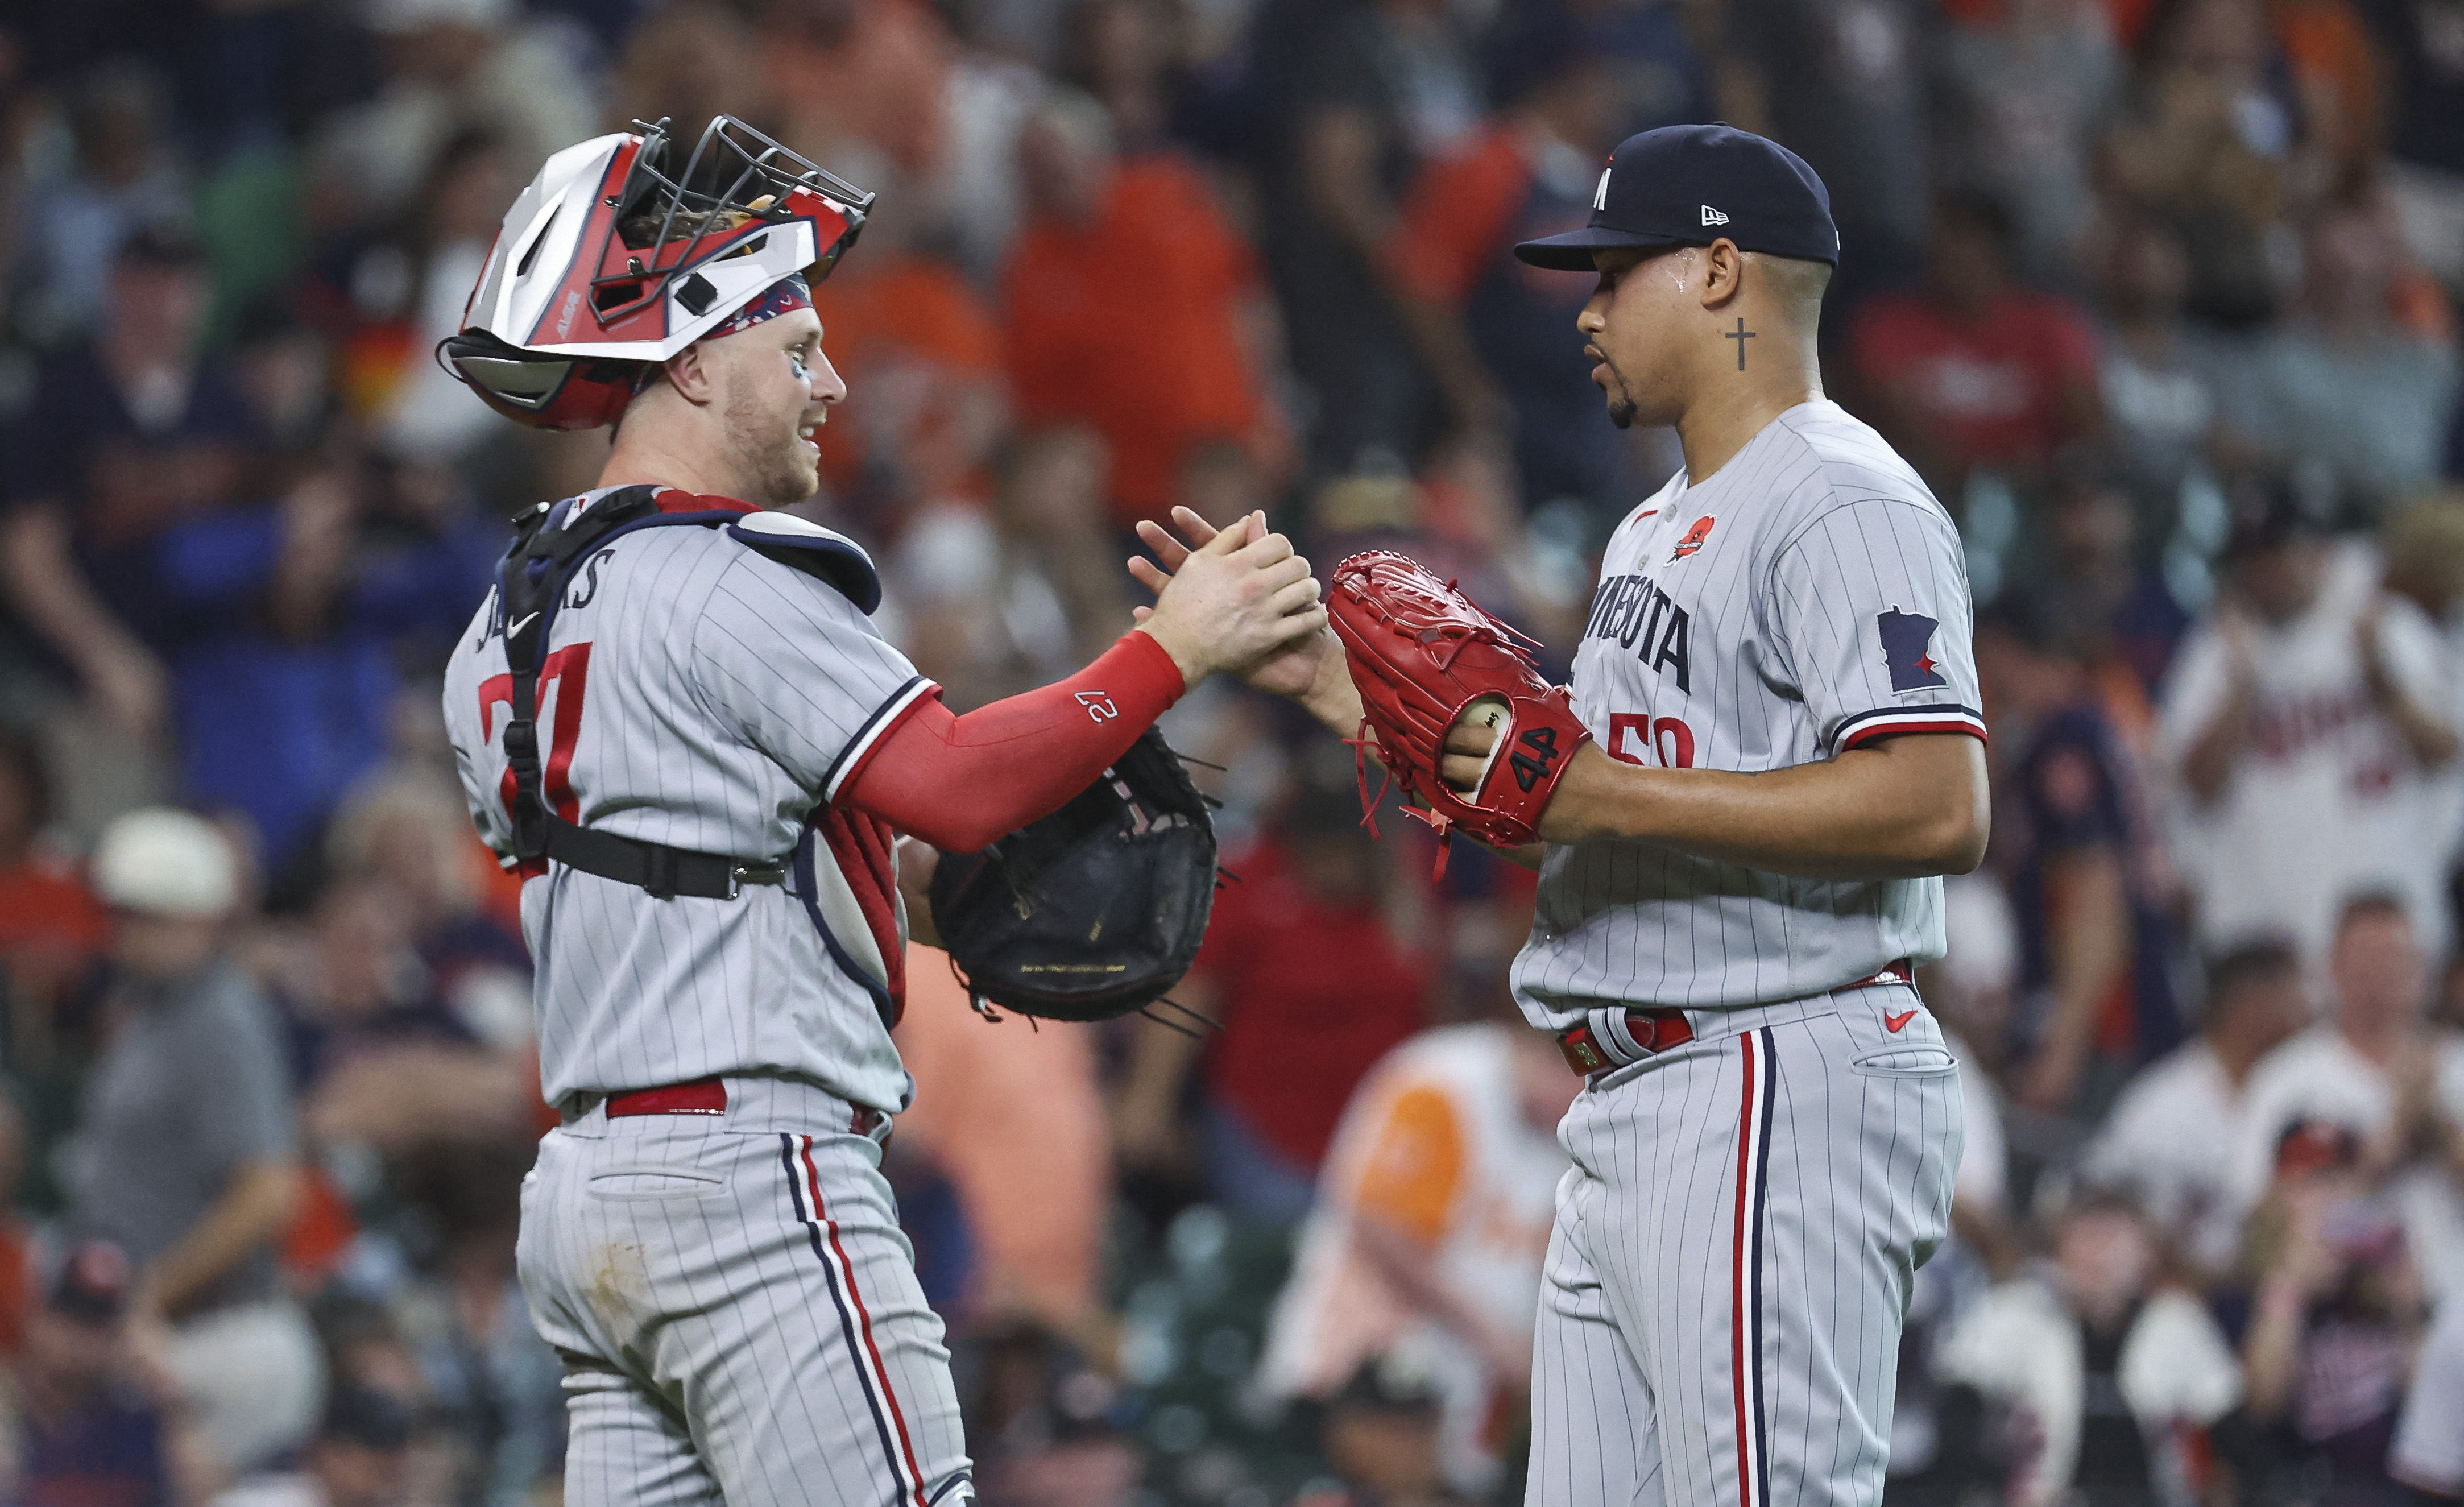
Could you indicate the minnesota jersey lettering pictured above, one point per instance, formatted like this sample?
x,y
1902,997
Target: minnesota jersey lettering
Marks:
x,y
1639,616
1808,597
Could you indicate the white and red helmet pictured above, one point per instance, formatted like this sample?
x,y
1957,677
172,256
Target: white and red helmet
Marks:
x,y
607,264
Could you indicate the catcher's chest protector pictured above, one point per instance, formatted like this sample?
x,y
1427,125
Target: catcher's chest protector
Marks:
x,y
552,540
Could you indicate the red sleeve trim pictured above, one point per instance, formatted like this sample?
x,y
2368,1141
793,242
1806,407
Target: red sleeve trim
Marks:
x,y
962,783
1875,725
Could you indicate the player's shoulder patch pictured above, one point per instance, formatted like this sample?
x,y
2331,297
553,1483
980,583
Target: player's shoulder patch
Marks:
x,y
807,546
1907,650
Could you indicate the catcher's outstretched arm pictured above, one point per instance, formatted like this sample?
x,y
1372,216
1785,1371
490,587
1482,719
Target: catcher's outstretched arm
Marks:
x,y
1897,808
961,782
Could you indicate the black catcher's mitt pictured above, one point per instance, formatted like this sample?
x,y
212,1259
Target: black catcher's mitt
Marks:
x,y
1094,911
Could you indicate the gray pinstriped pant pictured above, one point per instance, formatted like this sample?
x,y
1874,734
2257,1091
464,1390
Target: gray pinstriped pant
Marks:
x,y
737,1312
1732,1257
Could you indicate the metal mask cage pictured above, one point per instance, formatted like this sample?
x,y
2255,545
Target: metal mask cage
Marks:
x,y
732,167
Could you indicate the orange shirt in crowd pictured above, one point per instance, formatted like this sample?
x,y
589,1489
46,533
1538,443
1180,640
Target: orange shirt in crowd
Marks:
x,y
911,339
878,76
1127,325
1457,214
1014,1117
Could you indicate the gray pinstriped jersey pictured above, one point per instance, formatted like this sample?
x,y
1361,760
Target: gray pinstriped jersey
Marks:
x,y
701,695
1810,596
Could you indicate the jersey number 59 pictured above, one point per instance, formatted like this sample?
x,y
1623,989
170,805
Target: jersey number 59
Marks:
x,y
1663,741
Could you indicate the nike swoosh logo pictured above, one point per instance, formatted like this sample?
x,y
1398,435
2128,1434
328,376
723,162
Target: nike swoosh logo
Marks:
x,y
519,627
1892,1023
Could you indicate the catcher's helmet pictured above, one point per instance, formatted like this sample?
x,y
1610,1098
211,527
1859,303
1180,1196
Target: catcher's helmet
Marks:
x,y
608,263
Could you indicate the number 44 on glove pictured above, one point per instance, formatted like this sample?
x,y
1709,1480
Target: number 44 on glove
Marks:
x,y
1425,657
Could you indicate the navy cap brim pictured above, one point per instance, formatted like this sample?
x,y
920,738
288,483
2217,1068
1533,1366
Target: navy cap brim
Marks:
x,y
1572,251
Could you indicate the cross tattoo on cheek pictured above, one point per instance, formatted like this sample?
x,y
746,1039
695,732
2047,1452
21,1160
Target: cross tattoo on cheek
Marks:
x,y
1740,335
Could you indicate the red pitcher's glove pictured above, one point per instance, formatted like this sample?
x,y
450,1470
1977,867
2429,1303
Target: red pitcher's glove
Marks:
x,y
1425,657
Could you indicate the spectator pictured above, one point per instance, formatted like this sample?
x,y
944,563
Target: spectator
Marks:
x,y
127,437
1431,1222
2163,1139
2095,940
2160,378
358,1459
92,1437
2379,1074
2336,1314
1043,1426
1372,88
2101,594
428,262
2121,1385
1845,81
921,350
1124,258
2340,387
1379,1435
51,929
1496,332
2302,724
188,1156
2209,145
1003,599
124,178
2029,90
406,831
301,618
448,65
1976,372
1313,982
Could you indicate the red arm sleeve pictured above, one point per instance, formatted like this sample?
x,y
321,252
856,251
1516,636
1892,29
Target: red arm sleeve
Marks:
x,y
961,782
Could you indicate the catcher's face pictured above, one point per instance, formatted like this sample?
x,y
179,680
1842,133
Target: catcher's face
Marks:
x,y
776,388
1642,300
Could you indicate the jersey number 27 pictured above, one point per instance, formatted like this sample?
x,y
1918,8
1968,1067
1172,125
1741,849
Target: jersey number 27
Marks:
x,y
561,683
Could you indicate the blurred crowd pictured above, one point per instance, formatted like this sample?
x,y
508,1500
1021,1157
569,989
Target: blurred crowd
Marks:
x,y
2160,296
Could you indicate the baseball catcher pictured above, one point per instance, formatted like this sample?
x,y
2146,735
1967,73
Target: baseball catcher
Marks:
x,y
673,718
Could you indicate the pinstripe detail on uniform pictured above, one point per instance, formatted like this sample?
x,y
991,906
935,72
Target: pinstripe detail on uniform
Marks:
x,y
1745,1270
725,692
853,1321
1884,720
1762,650
888,716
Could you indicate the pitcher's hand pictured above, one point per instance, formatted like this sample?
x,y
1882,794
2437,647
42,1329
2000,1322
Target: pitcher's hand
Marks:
x,y
1240,597
1303,668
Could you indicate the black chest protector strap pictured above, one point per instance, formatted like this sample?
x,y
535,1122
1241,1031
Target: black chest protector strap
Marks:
x,y
530,586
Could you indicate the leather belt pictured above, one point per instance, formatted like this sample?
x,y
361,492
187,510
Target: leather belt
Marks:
x,y
1659,1028
709,1096
702,1096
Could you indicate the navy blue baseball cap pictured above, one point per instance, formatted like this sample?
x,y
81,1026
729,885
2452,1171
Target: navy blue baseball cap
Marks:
x,y
1692,185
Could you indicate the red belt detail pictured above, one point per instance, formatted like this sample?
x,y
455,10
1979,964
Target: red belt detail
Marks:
x,y
1656,1030
702,1096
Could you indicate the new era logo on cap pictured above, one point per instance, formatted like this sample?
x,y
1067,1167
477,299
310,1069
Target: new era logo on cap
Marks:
x,y
1690,185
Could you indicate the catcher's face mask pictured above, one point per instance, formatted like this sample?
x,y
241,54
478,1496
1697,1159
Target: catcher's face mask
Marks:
x,y
613,260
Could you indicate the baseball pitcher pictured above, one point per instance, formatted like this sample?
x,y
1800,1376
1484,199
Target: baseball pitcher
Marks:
x,y
1740,811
